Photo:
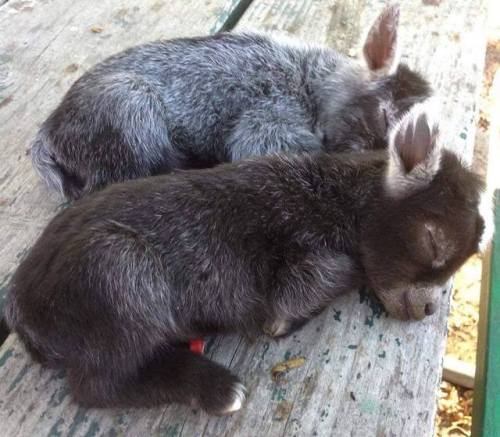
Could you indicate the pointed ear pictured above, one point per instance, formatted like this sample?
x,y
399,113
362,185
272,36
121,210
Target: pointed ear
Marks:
x,y
381,44
414,151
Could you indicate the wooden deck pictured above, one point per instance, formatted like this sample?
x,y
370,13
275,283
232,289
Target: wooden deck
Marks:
x,y
365,374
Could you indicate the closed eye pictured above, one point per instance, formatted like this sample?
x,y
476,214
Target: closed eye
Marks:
x,y
385,119
433,244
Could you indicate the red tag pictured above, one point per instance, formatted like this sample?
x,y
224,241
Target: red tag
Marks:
x,y
197,346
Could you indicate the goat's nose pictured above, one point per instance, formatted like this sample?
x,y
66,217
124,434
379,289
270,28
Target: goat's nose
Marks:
x,y
430,308
444,291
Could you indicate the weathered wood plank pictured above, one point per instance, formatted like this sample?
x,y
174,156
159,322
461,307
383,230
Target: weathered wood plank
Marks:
x,y
365,374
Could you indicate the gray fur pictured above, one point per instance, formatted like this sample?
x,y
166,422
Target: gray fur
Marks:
x,y
197,102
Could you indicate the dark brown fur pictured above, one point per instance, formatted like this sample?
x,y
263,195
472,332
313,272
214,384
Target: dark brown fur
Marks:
x,y
119,278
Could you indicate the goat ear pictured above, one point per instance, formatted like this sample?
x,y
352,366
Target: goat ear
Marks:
x,y
381,44
414,152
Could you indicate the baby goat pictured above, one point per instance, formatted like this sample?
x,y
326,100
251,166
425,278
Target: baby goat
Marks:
x,y
196,102
262,245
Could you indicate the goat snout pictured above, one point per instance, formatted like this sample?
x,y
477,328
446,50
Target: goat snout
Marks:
x,y
422,302
410,302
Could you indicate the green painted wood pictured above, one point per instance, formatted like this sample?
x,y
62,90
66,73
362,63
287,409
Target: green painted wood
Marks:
x,y
486,414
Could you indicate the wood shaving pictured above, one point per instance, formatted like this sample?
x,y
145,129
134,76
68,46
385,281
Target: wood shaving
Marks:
x,y
454,416
287,365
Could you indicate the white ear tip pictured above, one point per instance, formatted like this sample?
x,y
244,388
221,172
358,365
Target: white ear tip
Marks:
x,y
430,108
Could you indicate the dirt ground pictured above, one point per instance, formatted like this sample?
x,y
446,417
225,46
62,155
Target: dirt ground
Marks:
x,y
455,403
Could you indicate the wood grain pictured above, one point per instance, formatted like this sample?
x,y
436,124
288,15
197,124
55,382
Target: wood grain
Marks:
x,y
365,374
